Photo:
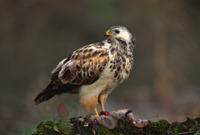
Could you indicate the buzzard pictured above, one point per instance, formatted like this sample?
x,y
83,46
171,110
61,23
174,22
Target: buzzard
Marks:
x,y
94,70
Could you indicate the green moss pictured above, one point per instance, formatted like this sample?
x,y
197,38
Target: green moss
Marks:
x,y
57,124
104,131
175,127
49,123
46,128
36,132
193,128
127,128
159,127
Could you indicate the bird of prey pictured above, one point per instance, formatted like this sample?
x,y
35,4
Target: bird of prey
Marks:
x,y
94,70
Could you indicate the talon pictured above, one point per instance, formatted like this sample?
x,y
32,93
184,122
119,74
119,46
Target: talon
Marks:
x,y
104,113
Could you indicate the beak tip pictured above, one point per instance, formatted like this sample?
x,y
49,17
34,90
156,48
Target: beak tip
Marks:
x,y
107,33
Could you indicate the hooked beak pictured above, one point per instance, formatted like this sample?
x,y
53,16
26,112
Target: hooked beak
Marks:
x,y
108,33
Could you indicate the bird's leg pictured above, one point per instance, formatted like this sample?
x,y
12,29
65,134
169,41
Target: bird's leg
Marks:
x,y
102,105
102,99
95,111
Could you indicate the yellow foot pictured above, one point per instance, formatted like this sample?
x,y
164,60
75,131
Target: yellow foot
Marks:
x,y
95,111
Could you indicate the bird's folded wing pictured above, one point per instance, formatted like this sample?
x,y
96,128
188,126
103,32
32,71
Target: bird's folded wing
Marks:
x,y
82,67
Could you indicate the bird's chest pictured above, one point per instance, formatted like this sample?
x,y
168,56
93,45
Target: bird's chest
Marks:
x,y
116,72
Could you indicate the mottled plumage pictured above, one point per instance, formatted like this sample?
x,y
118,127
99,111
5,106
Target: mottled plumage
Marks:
x,y
93,71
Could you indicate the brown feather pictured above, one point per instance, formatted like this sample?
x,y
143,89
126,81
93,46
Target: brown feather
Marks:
x,y
52,89
84,67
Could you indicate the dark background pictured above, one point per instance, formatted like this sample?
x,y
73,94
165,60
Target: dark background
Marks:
x,y
35,35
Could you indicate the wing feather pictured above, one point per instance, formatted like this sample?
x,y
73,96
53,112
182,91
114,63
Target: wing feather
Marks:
x,y
82,67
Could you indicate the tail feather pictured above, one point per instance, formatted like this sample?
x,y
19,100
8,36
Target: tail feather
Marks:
x,y
46,94
52,89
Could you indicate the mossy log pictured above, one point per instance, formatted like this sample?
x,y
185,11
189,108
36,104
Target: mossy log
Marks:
x,y
161,127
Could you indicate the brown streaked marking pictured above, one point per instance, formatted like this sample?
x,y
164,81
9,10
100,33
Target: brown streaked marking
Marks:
x,y
101,43
101,69
99,65
90,50
72,57
118,54
76,56
91,73
118,77
118,60
67,75
133,40
85,50
86,56
121,41
123,65
78,67
116,74
80,51
127,71
84,61
112,50
129,55
109,40
75,81
105,60
79,75
123,59
118,68
77,51
84,68
95,53
84,75
103,54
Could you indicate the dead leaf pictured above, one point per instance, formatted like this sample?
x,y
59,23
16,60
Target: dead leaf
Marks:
x,y
62,111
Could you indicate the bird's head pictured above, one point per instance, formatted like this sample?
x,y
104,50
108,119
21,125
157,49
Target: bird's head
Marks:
x,y
118,32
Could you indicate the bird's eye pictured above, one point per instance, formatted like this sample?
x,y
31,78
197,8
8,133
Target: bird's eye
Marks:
x,y
117,31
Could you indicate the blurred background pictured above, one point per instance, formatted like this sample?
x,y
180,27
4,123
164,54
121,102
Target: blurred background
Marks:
x,y
35,35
